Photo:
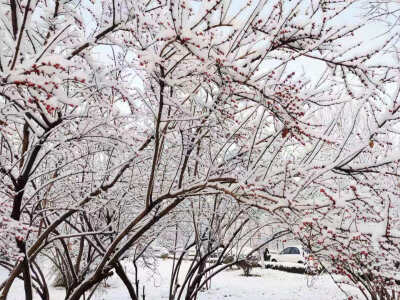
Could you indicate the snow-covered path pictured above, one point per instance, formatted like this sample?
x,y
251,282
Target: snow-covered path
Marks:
x,y
267,285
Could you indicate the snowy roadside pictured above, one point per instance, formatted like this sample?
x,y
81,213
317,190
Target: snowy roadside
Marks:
x,y
267,284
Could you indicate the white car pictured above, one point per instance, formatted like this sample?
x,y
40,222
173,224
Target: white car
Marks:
x,y
294,254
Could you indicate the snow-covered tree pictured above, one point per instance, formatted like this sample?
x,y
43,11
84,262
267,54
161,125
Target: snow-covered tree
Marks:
x,y
114,113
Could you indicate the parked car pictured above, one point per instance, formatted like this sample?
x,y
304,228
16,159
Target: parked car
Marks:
x,y
294,254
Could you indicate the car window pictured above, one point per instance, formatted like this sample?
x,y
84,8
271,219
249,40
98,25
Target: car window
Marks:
x,y
286,251
294,250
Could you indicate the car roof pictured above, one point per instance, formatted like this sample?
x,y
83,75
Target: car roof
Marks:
x,y
297,246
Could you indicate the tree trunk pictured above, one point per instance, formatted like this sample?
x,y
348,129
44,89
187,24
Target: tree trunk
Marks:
x,y
122,275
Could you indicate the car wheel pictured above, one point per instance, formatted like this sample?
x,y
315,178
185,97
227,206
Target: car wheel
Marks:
x,y
273,260
300,262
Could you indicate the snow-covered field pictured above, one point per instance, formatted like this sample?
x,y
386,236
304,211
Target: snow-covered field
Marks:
x,y
268,284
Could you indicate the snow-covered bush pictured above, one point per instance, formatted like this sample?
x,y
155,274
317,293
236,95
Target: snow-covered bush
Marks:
x,y
287,267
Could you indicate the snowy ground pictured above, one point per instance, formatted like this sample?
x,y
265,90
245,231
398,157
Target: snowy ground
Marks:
x,y
269,284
